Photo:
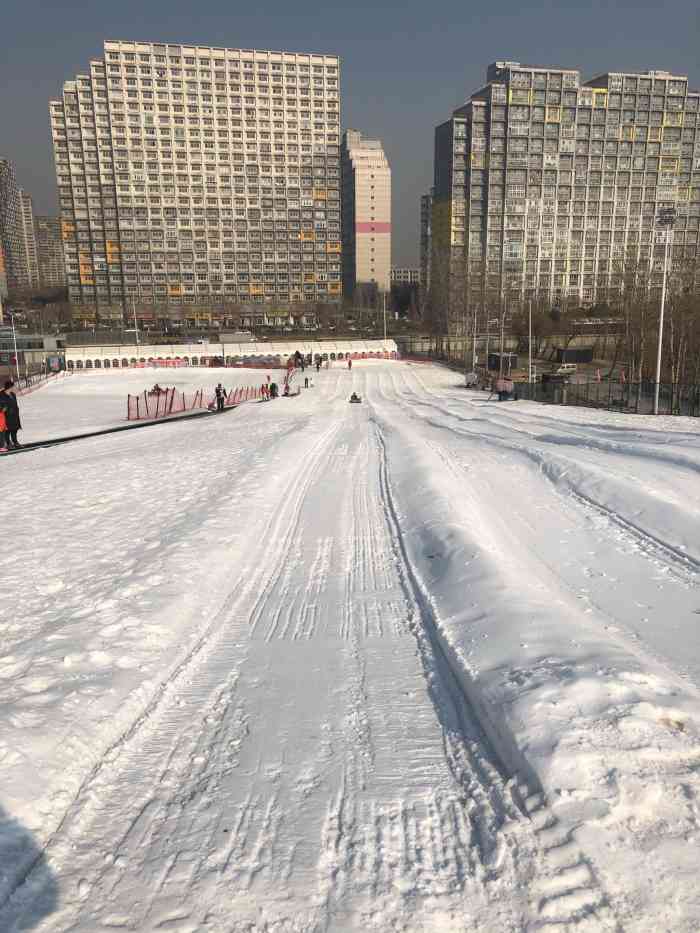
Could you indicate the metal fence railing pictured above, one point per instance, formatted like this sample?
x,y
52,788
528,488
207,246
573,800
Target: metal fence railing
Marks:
x,y
630,397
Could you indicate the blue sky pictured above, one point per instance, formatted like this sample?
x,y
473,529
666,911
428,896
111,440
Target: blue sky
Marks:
x,y
405,65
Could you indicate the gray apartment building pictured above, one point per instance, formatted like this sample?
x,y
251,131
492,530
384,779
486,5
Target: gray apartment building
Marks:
x,y
11,228
426,215
199,175
405,275
26,208
547,186
50,251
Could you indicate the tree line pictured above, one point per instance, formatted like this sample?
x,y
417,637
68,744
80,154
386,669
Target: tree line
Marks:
x,y
626,313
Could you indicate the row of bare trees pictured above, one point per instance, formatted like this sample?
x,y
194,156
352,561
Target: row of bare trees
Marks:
x,y
626,315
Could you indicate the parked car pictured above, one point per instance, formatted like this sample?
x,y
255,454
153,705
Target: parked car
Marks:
x,y
566,369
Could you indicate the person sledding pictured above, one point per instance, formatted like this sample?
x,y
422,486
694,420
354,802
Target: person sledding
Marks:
x,y
355,398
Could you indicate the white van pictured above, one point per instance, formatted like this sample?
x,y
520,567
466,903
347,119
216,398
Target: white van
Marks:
x,y
566,369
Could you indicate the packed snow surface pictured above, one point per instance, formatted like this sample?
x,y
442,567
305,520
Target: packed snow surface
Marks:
x,y
427,663
95,399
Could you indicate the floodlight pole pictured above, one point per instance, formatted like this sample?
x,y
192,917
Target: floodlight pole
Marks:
x,y
666,219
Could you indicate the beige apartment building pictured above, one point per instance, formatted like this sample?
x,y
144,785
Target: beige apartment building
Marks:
x,y
549,186
192,175
366,197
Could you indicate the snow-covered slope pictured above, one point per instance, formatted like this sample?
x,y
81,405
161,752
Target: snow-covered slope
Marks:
x,y
426,663
91,400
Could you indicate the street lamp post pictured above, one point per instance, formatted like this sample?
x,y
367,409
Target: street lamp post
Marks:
x,y
666,219
503,326
14,337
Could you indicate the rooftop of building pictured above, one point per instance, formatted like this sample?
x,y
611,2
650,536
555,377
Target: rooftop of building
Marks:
x,y
136,45
504,65
355,137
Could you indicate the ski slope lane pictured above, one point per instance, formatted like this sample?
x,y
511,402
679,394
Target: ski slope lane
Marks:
x,y
315,764
410,665
571,617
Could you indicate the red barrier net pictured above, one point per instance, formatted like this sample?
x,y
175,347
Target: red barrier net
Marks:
x,y
151,405
31,384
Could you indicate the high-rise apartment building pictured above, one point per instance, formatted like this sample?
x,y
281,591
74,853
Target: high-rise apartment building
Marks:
x,y
3,277
26,209
11,229
404,275
50,251
547,186
191,174
366,197
426,212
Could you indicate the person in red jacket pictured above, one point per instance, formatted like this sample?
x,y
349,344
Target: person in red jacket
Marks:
x,y
3,431
10,409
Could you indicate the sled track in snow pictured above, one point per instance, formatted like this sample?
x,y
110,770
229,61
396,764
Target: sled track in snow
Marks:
x,y
672,557
566,890
682,566
82,797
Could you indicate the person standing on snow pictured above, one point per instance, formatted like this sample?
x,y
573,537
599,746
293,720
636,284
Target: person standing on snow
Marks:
x,y
10,406
3,431
220,397
349,363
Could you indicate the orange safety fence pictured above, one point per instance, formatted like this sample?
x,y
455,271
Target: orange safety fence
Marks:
x,y
148,406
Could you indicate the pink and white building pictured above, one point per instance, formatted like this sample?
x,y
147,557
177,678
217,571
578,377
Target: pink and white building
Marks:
x,y
366,223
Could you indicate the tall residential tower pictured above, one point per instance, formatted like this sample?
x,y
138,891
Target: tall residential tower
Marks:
x,y
366,216
11,228
50,251
426,212
26,213
545,186
191,175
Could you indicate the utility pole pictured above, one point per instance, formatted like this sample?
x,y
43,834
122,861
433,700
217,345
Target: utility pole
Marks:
x,y
384,304
665,219
136,327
